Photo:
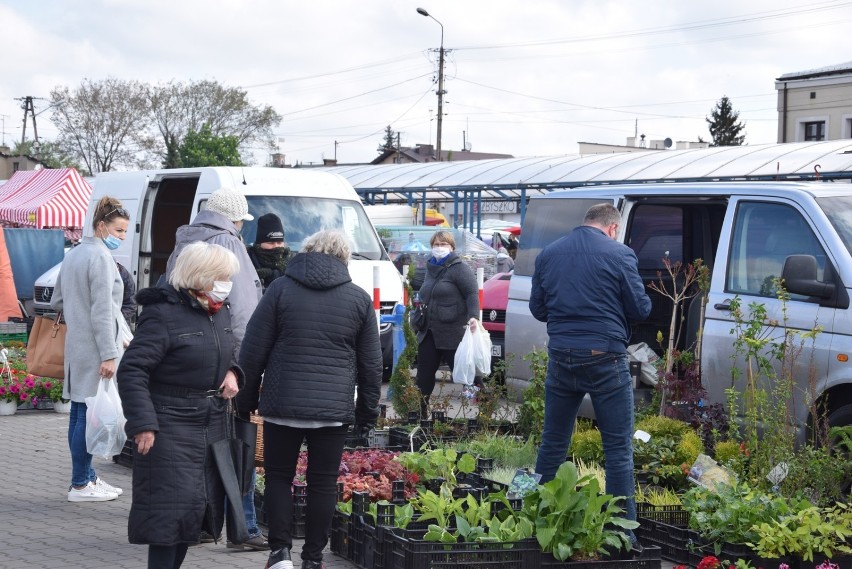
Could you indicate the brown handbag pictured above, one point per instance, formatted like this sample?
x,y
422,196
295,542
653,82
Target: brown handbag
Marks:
x,y
46,347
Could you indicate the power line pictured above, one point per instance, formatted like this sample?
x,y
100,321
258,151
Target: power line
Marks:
x,y
692,26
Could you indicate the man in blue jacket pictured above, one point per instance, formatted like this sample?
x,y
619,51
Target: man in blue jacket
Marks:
x,y
587,288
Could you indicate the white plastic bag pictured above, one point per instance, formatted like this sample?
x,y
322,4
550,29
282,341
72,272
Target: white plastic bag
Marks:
x,y
464,366
105,421
643,353
482,358
473,356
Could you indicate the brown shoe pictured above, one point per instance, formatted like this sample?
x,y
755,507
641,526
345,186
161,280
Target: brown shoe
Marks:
x,y
257,543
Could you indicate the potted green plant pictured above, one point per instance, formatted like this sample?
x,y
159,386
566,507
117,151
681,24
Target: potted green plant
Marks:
x,y
573,519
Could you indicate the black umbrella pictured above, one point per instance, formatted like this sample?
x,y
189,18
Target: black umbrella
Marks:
x,y
243,448
235,471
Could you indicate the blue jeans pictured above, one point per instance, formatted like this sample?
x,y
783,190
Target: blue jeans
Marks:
x,y
571,374
81,461
248,508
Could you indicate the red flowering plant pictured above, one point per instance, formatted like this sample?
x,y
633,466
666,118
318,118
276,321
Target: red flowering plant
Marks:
x,y
366,470
15,385
48,388
709,562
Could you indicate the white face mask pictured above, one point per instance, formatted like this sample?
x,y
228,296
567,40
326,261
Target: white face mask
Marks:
x,y
440,252
221,290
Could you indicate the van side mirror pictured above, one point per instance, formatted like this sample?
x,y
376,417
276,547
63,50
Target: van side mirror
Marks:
x,y
800,277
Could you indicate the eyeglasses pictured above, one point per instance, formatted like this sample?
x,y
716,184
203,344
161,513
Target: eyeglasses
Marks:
x,y
120,211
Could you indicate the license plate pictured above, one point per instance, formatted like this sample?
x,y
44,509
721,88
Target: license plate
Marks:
x,y
496,351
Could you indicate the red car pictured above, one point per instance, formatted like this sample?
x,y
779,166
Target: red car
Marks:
x,y
495,297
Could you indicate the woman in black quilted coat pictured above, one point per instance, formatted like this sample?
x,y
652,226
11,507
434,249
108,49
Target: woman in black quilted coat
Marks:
x,y
314,340
451,296
175,379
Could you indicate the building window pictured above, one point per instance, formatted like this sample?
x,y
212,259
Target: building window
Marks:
x,y
815,130
16,166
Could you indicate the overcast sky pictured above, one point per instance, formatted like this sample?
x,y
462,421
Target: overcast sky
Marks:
x,y
527,78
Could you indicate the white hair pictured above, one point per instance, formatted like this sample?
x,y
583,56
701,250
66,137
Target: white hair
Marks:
x,y
200,263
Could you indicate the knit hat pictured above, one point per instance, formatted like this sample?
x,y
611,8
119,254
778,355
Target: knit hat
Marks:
x,y
269,229
230,203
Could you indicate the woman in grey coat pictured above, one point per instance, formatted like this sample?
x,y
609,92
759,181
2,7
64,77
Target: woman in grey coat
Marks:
x,y
452,300
89,292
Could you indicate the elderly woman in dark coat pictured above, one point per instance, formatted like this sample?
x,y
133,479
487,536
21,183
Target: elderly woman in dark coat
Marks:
x,y
176,377
314,339
451,297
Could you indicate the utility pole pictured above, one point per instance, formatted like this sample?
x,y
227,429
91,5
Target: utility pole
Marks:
x,y
3,129
335,152
440,91
27,105
398,149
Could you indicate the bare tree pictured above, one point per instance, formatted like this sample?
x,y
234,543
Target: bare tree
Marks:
x,y
179,108
100,121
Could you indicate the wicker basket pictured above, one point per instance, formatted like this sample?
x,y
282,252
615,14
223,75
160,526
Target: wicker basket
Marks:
x,y
258,448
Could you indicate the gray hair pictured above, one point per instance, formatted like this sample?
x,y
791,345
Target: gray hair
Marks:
x,y
200,263
603,215
329,242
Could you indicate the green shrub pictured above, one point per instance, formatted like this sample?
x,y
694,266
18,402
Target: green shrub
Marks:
x,y
661,427
728,452
506,450
587,446
531,412
689,447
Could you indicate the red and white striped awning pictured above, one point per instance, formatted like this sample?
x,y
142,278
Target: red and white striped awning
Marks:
x,y
45,198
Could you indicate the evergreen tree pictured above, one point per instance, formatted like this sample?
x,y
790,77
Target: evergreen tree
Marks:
x,y
389,140
724,125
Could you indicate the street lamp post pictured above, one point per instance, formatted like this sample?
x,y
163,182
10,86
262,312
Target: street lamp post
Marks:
x,y
423,12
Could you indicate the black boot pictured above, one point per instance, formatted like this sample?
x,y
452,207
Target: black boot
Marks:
x,y
312,564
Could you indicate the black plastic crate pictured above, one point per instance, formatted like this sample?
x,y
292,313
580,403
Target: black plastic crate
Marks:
x,y
125,457
408,553
673,541
669,515
340,542
650,558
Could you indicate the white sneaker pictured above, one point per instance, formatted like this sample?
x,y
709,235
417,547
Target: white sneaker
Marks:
x,y
90,493
104,485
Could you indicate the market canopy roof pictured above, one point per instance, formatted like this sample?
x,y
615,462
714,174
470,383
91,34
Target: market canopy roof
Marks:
x,y
45,198
516,177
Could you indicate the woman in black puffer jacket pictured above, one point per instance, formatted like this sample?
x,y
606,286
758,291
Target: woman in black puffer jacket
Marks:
x,y
314,339
174,382
451,296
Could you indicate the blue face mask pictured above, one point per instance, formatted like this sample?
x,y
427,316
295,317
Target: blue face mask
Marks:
x,y
112,242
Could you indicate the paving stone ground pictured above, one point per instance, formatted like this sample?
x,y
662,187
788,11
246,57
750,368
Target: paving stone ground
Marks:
x,y
40,529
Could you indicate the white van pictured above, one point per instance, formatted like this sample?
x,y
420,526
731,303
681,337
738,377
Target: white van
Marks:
x,y
160,201
747,233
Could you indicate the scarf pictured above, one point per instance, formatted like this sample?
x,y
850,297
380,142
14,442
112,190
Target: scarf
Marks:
x,y
209,305
273,258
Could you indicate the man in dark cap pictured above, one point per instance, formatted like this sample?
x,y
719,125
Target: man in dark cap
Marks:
x,y
270,253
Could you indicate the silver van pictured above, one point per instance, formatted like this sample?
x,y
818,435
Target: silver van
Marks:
x,y
745,232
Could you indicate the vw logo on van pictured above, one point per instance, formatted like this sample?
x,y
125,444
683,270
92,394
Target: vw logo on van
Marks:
x,y
492,315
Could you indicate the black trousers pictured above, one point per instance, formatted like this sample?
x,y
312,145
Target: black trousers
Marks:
x,y
166,556
429,359
281,446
